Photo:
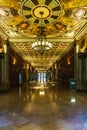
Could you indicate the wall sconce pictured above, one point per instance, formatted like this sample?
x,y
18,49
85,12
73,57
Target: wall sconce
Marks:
x,y
14,61
25,66
68,61
1,47
55,66
59,67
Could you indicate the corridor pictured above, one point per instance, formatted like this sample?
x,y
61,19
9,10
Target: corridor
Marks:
x,y
43,107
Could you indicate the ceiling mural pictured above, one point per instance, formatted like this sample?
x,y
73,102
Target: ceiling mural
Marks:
x,y
63,21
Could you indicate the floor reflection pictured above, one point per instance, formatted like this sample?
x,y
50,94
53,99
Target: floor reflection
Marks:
x,y
43,107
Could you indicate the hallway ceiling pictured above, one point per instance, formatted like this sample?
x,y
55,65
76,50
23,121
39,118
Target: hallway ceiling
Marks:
x,y
64,21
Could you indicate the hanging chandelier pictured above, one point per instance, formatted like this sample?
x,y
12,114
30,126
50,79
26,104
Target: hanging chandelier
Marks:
x,y
41,44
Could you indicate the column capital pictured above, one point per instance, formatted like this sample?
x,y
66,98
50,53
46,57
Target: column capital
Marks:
x,y
6,42
76,42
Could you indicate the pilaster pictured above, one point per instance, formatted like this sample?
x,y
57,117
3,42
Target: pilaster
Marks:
x,y
5,85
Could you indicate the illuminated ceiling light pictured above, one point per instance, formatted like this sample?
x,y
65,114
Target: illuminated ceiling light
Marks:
x,y
41,44
41,69
4,12
79,13
12,33
70,33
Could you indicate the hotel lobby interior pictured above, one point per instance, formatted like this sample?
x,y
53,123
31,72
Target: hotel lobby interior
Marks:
x,y
43,65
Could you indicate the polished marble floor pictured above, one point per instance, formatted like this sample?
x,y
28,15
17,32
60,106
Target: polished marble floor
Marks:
x,y
43,107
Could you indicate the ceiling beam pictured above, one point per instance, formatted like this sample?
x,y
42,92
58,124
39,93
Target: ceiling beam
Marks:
x,y
28,39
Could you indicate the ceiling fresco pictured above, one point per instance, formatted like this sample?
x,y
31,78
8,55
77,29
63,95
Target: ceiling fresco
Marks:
x,y
63,20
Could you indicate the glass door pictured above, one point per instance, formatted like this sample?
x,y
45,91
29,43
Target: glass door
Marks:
x,y
42,77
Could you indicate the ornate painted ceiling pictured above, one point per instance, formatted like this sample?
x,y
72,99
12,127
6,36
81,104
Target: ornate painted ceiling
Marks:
x,y
63,20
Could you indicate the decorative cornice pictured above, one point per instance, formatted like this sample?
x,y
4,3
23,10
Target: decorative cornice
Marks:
x,y
3,34
29,39
17,51
81,33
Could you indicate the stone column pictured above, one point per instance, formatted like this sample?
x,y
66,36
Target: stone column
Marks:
x,y
4,85
27,71
53,72
76,62
80,68
56,71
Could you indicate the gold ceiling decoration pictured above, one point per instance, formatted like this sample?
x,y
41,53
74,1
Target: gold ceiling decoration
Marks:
x,y
64,21
31,10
